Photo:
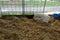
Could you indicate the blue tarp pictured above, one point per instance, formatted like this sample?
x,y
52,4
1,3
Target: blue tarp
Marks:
x,y
56,16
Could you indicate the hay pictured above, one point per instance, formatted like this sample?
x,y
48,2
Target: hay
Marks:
x,y
22,28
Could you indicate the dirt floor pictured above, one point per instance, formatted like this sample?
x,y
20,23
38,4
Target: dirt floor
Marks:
x,y
22,28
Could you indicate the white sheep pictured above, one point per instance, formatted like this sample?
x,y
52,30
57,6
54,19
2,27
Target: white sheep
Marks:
x,y
44,17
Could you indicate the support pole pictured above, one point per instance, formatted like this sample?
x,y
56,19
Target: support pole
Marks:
x,y
44,6
23,7
0,12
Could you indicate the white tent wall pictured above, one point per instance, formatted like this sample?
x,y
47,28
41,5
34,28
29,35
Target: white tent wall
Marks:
x,y
48,8
37,0
33,6
4,0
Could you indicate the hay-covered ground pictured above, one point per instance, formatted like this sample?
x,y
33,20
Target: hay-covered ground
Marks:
x,y
22,28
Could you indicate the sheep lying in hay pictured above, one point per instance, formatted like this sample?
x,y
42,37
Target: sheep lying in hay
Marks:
x,y
41,18
45,17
